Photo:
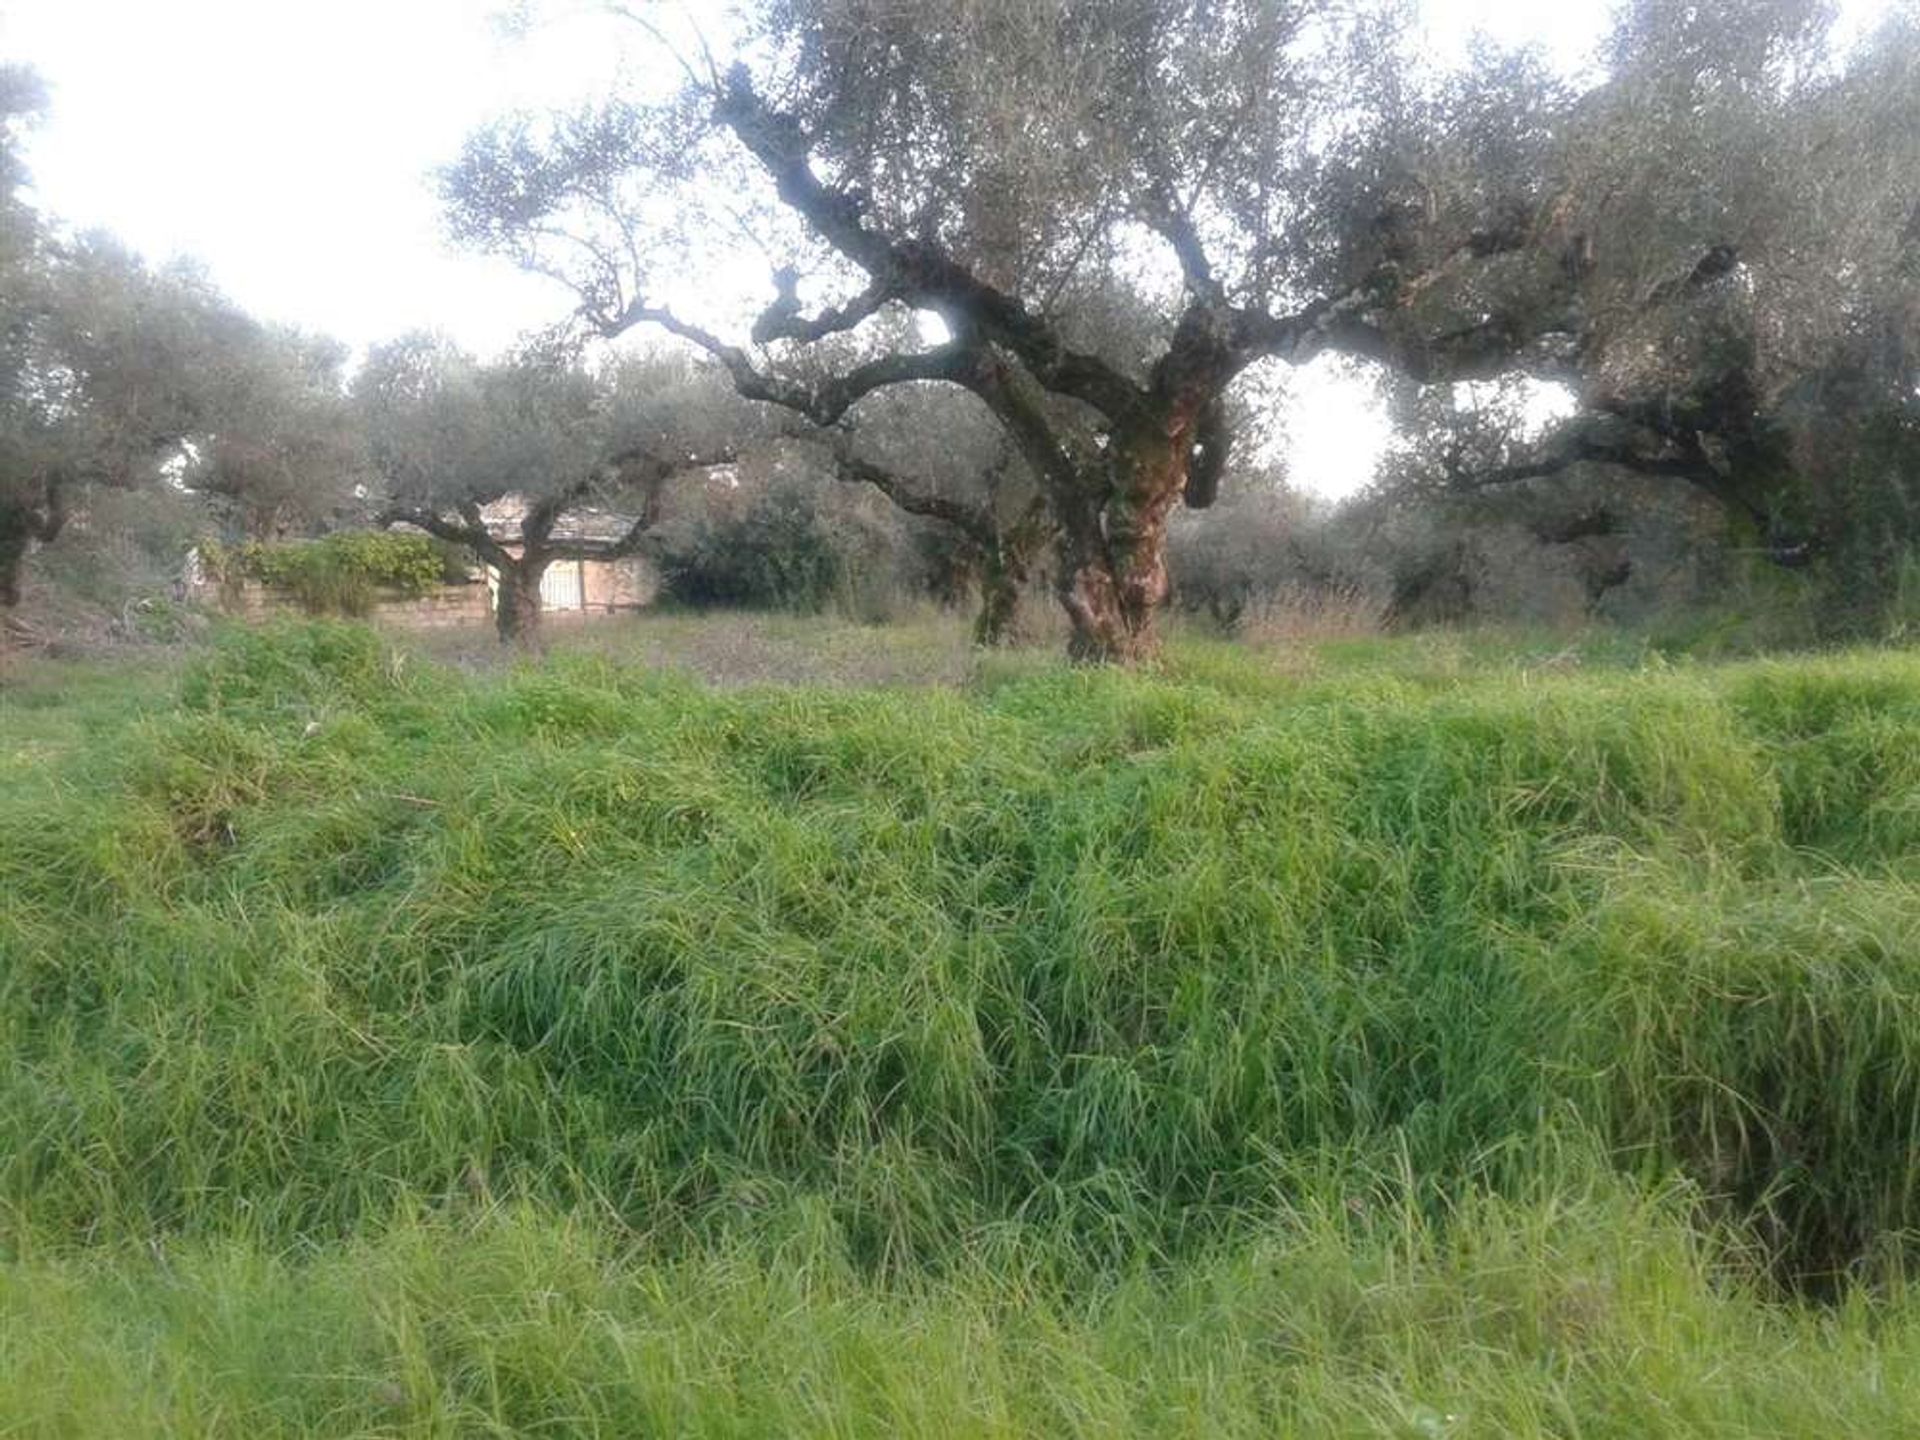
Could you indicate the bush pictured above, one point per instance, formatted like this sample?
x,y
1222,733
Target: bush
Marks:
x,y
785,551
289,665
1272,561
127,545
115,566
344,573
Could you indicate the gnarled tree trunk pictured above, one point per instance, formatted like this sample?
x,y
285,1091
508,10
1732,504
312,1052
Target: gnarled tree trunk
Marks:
x,y
1006,566
1102,630
1113,542
24,524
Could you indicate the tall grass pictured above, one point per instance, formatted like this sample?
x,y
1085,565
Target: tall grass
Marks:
x,y
1383,1050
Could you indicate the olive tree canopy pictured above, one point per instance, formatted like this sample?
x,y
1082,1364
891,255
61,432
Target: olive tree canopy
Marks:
x,y
119,374
448,435
1029,173
285,454
1749,282
1114,208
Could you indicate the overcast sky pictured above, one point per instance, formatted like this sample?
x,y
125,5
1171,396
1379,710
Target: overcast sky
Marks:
x,y
289,147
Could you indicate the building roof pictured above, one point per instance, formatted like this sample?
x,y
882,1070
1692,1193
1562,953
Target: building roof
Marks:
x,y
582,525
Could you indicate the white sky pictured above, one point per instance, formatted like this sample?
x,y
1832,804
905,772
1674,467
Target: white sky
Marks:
x,y
288,143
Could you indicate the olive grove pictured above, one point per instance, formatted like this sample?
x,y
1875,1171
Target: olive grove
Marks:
x,y
1111,212
116,375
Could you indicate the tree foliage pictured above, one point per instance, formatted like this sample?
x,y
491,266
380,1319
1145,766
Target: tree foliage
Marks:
x,y
1117,209
118,374
289,456
1749,284
449,435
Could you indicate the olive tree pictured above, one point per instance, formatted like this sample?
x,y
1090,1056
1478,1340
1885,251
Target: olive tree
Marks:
x,y
448,435
1748,274
1020,169
284,454
116,374
939,455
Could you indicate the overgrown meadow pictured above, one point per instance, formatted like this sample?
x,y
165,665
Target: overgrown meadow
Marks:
x,y
1347,1048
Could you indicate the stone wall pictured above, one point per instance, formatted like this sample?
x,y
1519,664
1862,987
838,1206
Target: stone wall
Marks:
x,y
608,587
443,608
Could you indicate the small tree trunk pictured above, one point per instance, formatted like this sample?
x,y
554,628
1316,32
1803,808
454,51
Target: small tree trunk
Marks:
x,y
999,618
24,523
14,541
517,608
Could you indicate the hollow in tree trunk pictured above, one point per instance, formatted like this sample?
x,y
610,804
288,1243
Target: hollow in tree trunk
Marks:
x,y
517,606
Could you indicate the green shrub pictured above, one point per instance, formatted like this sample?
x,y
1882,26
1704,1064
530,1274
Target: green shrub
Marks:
x,y
342,574
782,553
290,665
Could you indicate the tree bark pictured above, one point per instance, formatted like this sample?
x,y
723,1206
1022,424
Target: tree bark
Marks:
x,y
15,539
517,610
1003,571
1113,541
24,524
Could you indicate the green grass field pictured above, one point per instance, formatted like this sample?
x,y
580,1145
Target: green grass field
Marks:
x,y
1426,1038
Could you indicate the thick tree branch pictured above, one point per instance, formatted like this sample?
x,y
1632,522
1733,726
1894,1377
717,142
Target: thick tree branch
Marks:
x,y
536,526
1025,419
781,320
641,465
1562,452
645,468
1174,224
917,272
1480,351
1606,439
976,521
837,395
825,403
1360,322
470,530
